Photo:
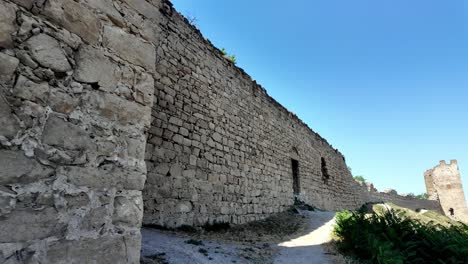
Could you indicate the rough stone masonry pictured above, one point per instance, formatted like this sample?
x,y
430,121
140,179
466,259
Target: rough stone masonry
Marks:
x,y
114,113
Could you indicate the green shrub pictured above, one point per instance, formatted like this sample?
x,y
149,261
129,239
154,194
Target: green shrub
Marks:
x,y
390,238
360,178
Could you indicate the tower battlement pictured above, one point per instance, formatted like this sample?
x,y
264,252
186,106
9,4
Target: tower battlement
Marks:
x,y
443,183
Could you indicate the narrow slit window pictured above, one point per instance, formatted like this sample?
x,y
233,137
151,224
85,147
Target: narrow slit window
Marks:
x,y
325,174
295,174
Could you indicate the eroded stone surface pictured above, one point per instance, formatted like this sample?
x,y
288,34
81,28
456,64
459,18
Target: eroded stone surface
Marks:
x,y
29,90
26,225
7,24
104,177
116,250
17,168
9,125
94,67
74,17
8,66
130,48
47,51
63,134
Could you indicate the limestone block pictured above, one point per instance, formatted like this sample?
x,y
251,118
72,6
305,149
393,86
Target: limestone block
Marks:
x,y
184,207
47,51
116,108
8,65
29,90
108,8
17,168
25,225
96,219
105,177
24,57
146,9
105,250
62,134
94,67
7,24
162,168
144,89
128,210
9,126
129,47
24,3
75,17
62,102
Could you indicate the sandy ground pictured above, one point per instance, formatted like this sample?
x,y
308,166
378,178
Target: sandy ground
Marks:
x,y
306,247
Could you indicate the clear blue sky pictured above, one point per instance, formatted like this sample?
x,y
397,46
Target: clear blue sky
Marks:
x,y
386,82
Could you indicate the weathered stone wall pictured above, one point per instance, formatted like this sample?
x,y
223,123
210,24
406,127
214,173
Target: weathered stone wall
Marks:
x,y
90,90
443,182
220,148
370,194
76,89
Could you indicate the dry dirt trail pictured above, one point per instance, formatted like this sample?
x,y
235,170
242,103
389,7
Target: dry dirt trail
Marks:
x,y
306,247
309,248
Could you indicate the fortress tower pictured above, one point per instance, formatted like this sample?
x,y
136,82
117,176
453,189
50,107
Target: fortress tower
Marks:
x,y
443,183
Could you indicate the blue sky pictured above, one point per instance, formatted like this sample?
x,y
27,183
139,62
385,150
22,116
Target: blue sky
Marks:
x,y
385,82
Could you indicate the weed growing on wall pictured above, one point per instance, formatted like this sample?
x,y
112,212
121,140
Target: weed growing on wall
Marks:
x,y
392,238
231,57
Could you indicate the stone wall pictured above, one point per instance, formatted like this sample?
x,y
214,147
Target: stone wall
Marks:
x,y
220,148
76,90
370,194
90,90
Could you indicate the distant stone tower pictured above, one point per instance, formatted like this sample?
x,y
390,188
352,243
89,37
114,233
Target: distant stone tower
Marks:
x,y
443,183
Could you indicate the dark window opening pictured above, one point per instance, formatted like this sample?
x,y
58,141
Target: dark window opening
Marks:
x,y
452,212
325,174
295,172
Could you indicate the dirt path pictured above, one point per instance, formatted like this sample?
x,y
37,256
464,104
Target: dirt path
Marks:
x,y
308,248
175,247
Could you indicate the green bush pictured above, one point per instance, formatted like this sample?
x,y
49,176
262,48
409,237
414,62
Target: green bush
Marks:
x,y
390,238
360,178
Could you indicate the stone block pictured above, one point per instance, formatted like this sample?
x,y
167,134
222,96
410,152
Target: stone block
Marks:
x,y
105,177
104,250
184,207
62,102
94,67
128,210
7,24
65,135
108,8
26,225
8,66
75,17
24,3
116,108
144,89
9,125
129,47
17,168
145,8
47,51
29,90
96,219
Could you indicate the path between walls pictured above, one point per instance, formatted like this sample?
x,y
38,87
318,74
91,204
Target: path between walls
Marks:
x,y
304,249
